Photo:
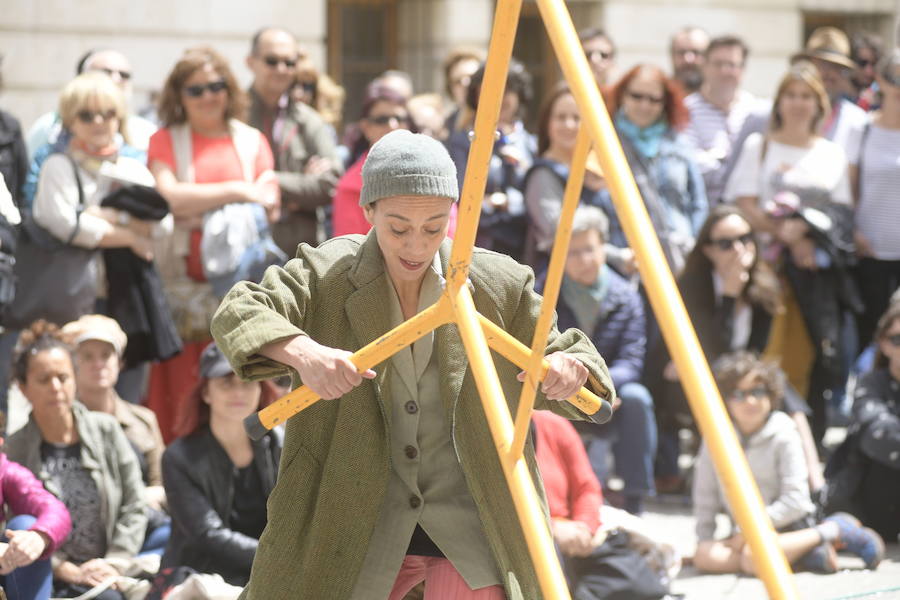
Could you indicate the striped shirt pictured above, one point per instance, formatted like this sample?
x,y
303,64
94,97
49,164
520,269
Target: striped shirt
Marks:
x,y
878,212
713,132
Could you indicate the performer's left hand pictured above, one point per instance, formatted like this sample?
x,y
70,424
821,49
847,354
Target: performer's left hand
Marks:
x,y
564,378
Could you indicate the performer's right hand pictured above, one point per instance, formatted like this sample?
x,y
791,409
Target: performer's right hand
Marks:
x,y
326,371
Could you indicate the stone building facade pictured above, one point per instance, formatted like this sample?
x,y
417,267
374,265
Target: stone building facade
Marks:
x,y
41,40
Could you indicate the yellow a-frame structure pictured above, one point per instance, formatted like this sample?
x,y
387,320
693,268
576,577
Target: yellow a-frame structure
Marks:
x,y
479,335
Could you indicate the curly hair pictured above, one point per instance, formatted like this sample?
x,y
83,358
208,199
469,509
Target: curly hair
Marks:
x,y
40,336
171,108
518,82
731,368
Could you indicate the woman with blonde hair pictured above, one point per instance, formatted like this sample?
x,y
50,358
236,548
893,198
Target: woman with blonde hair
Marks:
x,y
792,184
204,160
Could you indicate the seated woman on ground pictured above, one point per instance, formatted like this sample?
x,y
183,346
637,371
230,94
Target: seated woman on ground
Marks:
x,y
864,472
217,479
37,524
752,389
84,459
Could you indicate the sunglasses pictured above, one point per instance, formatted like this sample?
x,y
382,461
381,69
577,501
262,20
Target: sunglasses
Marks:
x,y
90,116
123,75
274,61
386,119
214,87
645,97
725,244
894,340
595,54
758,393
308,87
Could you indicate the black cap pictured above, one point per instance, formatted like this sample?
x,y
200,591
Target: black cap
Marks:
x,y
213,363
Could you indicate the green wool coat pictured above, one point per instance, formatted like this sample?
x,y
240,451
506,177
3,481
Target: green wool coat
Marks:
x,y
336,459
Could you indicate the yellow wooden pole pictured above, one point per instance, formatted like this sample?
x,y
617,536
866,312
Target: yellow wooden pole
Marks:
x,y
493,86
525,498
706,404
551,290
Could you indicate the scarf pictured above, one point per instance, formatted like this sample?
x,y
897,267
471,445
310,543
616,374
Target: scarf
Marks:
x,y
92,161
645,139
585,300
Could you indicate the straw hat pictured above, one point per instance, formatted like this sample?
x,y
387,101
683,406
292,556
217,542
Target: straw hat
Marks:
x,y
829,44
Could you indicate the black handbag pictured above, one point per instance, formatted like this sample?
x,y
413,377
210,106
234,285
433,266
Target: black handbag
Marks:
x,y
615,571
55,280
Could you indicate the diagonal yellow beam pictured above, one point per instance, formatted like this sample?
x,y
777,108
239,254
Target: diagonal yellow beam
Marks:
x,y
503,34
524,494
551,290
706,403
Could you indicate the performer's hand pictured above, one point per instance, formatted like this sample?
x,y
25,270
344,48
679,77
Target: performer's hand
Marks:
x,y
326,371
564,378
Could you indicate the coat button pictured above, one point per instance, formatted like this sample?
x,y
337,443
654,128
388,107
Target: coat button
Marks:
x,y
411,452
411,407
415,501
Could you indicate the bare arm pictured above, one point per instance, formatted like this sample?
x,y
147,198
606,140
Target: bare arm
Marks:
x,y
194,199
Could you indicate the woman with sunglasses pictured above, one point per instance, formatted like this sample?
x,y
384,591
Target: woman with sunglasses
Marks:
x,y
383,111
648,113
93,111
203,158
753,390
732,296
864,472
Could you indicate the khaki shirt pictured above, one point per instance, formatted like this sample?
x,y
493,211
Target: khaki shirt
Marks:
x,y
426,485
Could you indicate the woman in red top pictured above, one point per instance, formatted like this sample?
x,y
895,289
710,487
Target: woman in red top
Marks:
x,y
203,159
383,111
573,492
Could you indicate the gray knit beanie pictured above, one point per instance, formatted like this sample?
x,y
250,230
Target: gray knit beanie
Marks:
x,y
403,163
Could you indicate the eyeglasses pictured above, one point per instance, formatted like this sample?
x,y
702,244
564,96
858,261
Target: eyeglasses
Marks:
x,y
90,116
758,393
464,81
593,55
274,61
726,244
213,87
645,98
894,340
386,119
123,75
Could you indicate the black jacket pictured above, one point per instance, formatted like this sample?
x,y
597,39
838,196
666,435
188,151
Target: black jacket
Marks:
x,y
135,296
13,155
199,479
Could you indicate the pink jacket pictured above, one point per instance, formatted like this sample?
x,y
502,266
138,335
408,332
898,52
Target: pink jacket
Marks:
x,y
25,495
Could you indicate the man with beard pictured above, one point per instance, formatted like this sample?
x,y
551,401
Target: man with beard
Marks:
x,y
687,50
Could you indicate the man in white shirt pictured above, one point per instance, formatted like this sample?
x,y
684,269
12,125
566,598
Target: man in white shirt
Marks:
x,y
47,128
718,110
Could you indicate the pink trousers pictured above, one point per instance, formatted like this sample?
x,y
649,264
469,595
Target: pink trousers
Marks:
x,y
442,581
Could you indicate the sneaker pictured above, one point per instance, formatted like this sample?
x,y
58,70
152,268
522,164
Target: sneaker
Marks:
x,y
821,559
856,539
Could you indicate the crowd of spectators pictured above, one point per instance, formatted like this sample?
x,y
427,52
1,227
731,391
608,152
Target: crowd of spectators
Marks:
x,y
779,218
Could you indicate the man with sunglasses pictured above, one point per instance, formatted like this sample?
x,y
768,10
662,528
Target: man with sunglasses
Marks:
x,y
306,159
48,128
600,51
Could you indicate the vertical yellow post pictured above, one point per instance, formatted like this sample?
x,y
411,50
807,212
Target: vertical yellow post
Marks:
x,y
525,498
706,404
551,289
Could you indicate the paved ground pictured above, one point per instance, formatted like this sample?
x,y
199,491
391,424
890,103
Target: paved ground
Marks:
x,y
673,522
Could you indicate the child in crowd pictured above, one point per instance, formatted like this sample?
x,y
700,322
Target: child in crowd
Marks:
x,y
753,390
